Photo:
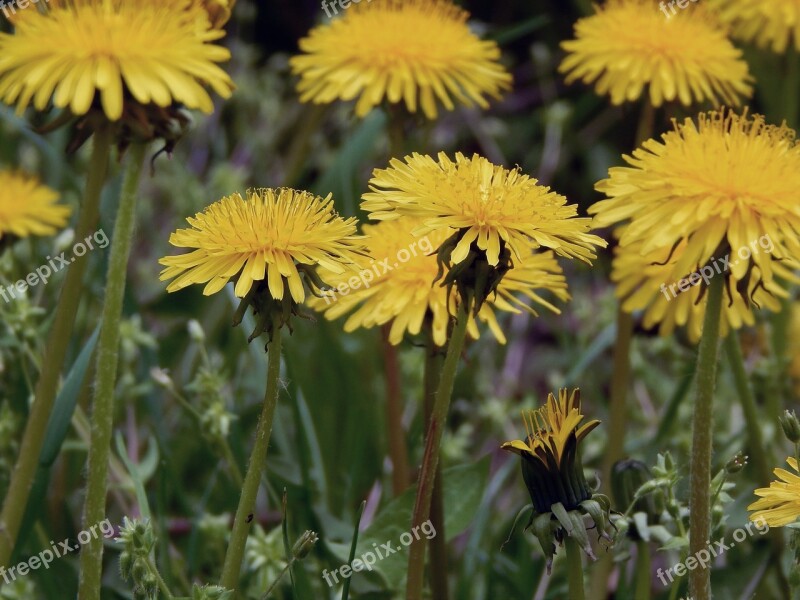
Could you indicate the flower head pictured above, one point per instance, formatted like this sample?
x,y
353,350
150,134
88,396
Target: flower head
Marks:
x,y
112,55
484,204
420,52
774,25
397,285
714,198
272,234
629,45
553,473
779,504
549,451
27,207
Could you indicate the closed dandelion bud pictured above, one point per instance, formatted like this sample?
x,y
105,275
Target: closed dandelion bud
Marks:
x,y
304,545
627,476
553,474
791,426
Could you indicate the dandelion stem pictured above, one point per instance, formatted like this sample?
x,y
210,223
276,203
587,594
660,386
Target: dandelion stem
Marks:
x,y
398,451
574,569
430,460
94,508
258,462
700,476
643,566
16,499
434,361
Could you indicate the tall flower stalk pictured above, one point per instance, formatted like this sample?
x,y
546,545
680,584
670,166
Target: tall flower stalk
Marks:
x,y
24,472
272,244
94,508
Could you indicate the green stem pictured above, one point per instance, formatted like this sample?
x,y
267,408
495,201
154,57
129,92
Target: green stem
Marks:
x,y
162,585
430,460
703,421
434,361
258,463
94,508
643,569
398,451
752,421
16,499
574,569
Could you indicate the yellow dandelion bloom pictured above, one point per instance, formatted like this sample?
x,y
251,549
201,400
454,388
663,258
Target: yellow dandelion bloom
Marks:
x,y
779,504
420,52
106,54
774,24
27,207
397,284
714,198
491,205
270,234
553,473
217,12
629,45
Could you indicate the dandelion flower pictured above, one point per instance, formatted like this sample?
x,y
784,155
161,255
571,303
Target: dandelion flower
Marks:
x,y
553,472
397,285
81,55
28,208
484,204
271,235
779,504
420,52
774,24
629,45
716,197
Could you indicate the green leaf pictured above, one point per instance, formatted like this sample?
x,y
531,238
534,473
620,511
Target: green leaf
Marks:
x,y
463,490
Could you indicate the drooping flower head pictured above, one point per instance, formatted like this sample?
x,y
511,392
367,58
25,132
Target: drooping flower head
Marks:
x,y
774,25
629,48
492,217
417,52
553,472
271,242
718,197
779,504
135,61
397,284
28,208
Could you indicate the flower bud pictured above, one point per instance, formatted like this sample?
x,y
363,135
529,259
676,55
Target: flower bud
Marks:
x,y
791,426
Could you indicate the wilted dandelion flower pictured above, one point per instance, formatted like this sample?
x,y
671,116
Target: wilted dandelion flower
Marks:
x,y
553,472
272,235
774,24
779,504
629,45
112,55
28,208
419,52
397,284
714,198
